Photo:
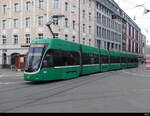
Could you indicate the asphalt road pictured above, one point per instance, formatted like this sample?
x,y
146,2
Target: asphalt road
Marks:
x,y
117,91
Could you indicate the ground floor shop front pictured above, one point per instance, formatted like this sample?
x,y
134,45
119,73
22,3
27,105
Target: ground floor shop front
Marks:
x,y
13,58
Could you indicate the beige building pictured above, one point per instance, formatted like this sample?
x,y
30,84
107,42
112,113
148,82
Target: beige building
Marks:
x,y
24,20
98,23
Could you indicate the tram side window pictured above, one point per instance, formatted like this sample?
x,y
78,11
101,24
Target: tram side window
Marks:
x,y
114,59
117,59
48,60
104,59
89,58
65,58
132,60
123,59
129,60
136,60
96,58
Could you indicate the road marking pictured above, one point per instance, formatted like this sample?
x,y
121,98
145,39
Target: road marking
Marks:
x,y
1,76
9,83
135,74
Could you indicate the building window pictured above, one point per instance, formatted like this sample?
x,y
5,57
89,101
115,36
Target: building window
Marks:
x,y
4,8
83,28
89,42
66,6
16,21
83,40
41,4
112,24
119,47
108,45
16,7
83,14
4,24
112,36
55,21
98,31
98,18
107,34
27,38
73,37
83,1
116,46
132,32
56,3
40,21
28,5
90,3
103,20
115,26
3,39
15,39
66,22
73,24
105,46
90,16
27,22
99,43
56,35
40,36
90,29
103,33
66,37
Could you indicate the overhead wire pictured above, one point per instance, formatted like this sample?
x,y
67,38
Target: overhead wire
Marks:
x,y
135,5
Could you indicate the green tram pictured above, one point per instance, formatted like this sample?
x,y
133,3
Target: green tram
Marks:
x,y
56,59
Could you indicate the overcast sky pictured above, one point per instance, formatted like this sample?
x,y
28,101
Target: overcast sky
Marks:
x,y
132,8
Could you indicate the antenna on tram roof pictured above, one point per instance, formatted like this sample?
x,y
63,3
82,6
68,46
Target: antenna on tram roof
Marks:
x,y
54,20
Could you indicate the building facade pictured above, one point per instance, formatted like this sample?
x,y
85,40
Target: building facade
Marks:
x,y
133,41
23,20
86,22
109,31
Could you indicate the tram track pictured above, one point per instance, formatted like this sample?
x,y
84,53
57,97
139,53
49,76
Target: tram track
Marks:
x,y
55,86
69,85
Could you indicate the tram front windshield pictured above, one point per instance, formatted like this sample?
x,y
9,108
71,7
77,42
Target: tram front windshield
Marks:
x,y
34,57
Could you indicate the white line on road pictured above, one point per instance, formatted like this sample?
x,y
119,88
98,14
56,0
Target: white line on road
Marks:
x,y
9,83
11,76
135,74
1,76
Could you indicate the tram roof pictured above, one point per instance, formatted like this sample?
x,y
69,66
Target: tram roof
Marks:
x,y
56,43
104,52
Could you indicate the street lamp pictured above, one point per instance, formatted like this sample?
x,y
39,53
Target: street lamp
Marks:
x,y
146,11
54,20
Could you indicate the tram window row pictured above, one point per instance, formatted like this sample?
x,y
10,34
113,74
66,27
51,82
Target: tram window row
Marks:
x,y
88,58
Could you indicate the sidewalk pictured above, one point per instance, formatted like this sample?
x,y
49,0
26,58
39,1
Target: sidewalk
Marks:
x,y
9,72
